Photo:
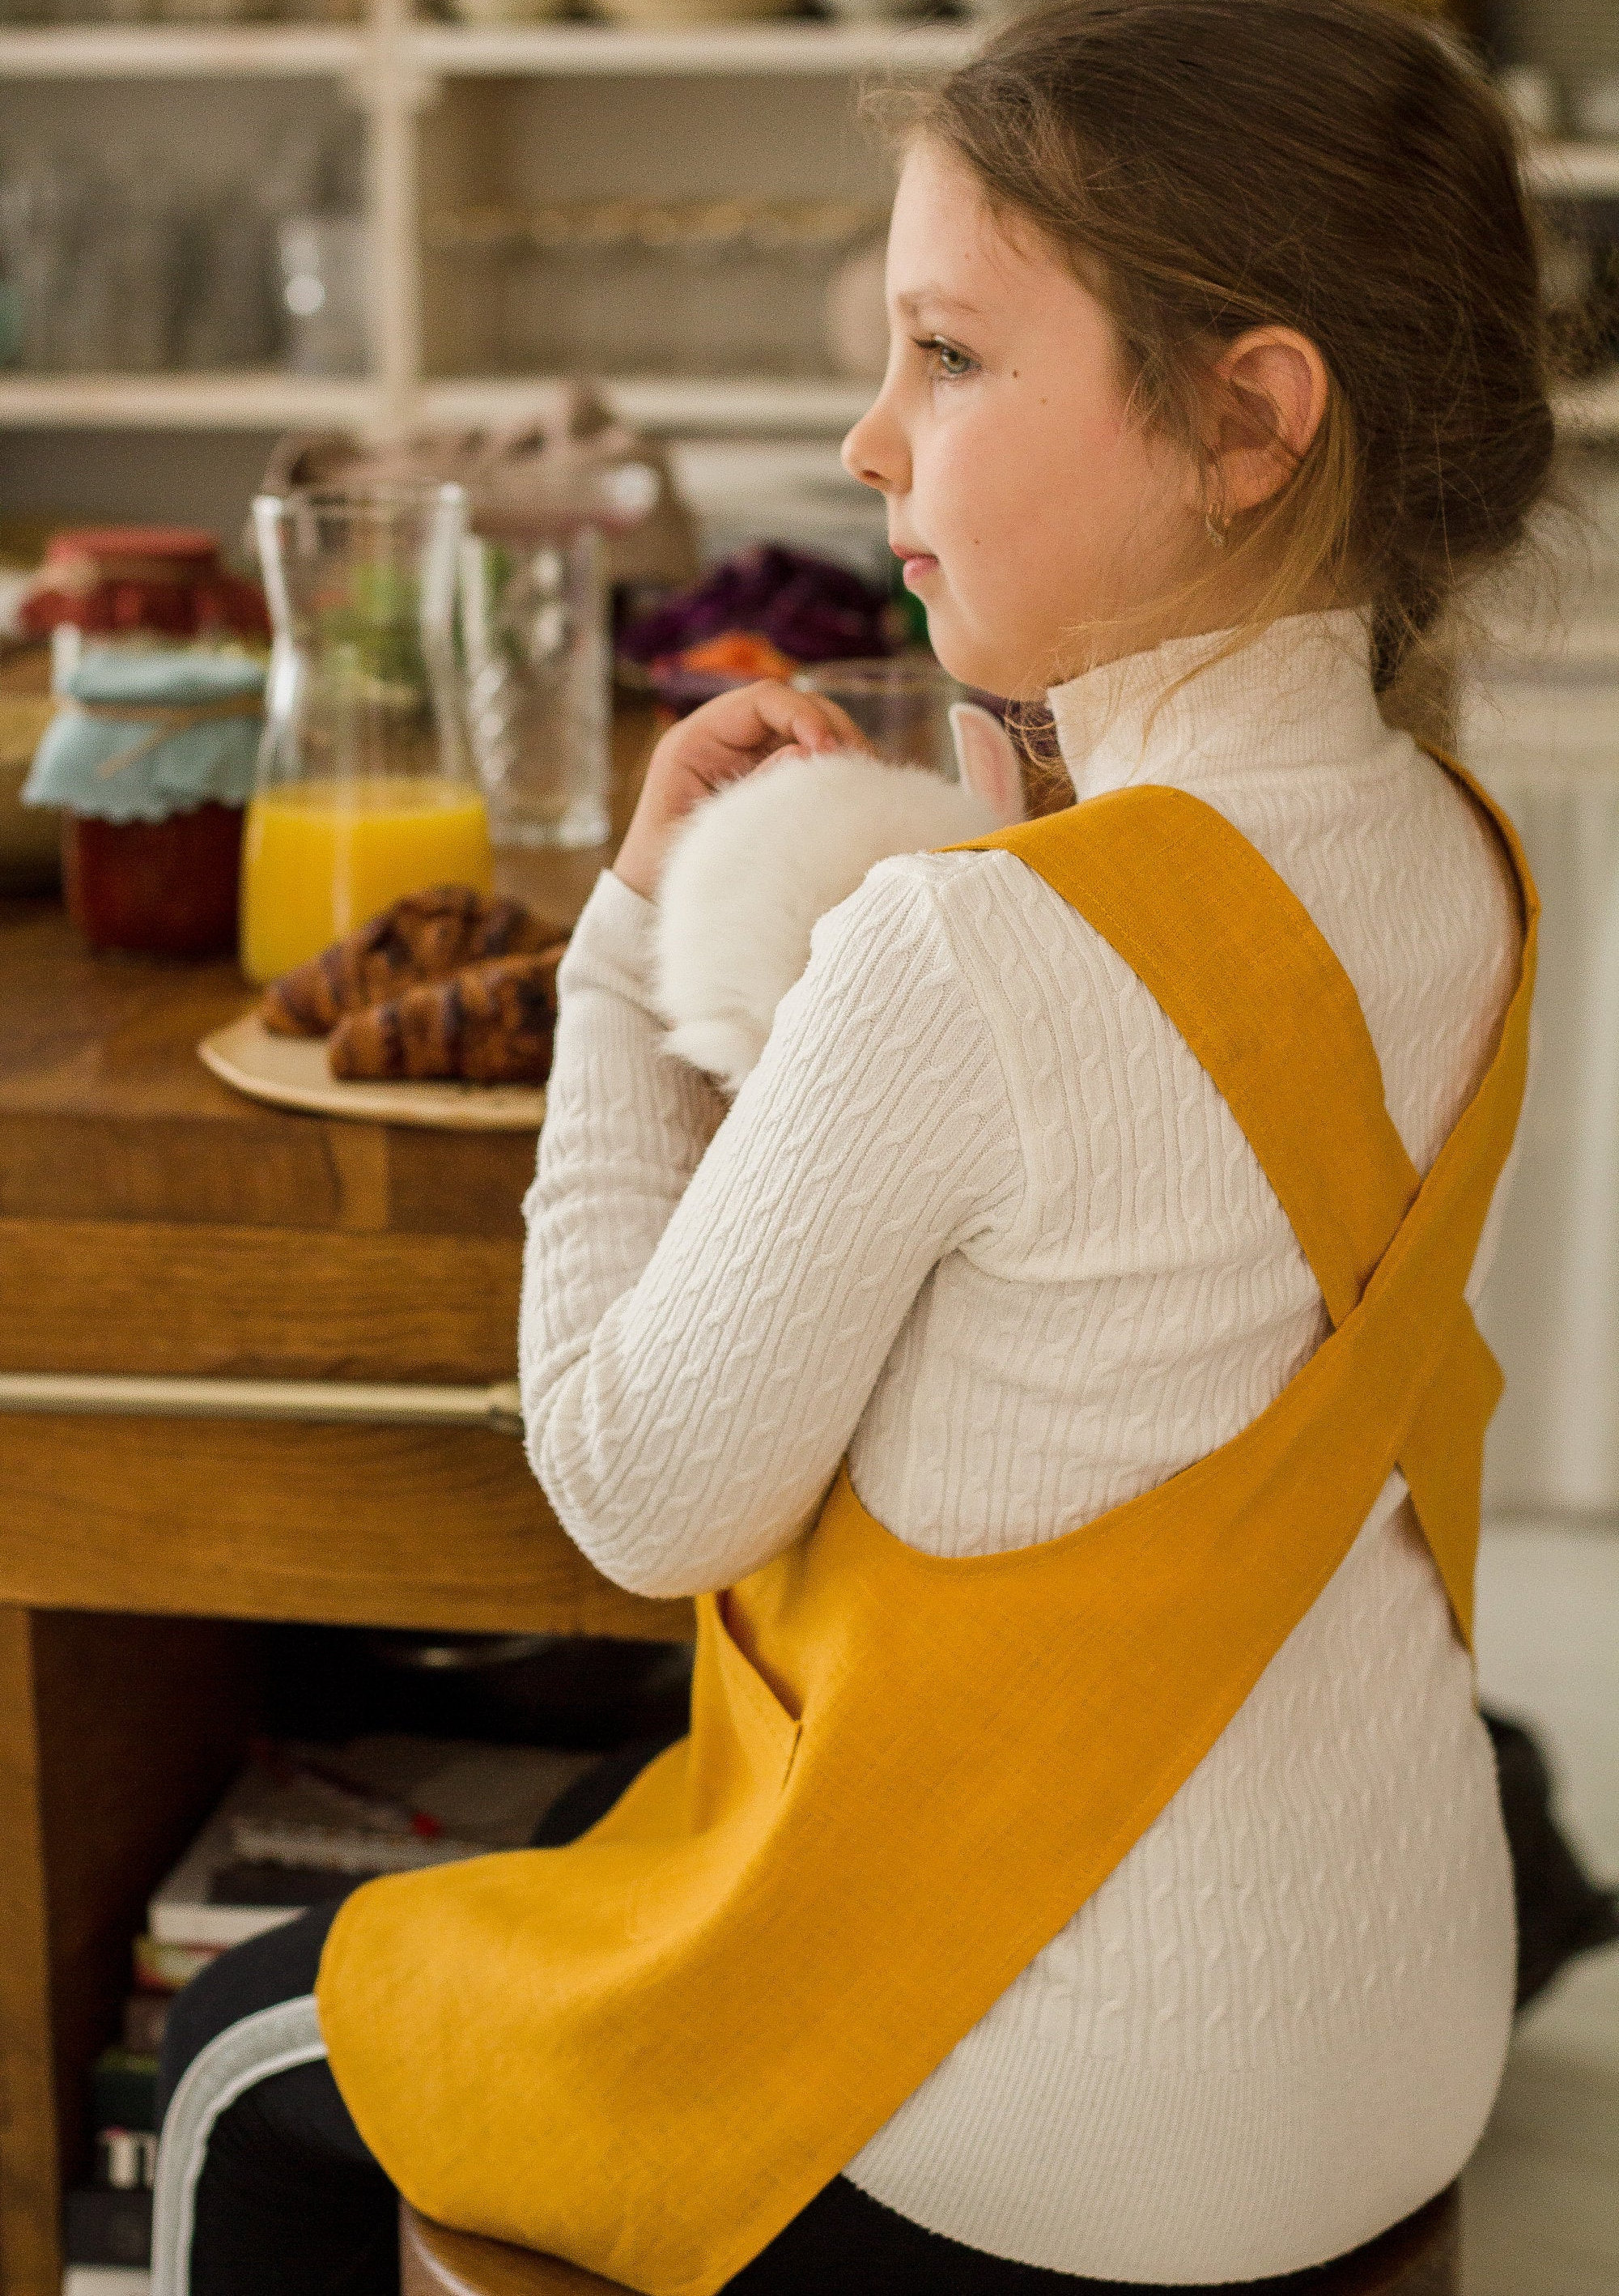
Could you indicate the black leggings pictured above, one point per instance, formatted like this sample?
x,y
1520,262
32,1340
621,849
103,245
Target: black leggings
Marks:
x,y
291,2203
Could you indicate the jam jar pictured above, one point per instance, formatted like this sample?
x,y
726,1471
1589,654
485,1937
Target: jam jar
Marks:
x,y
150,755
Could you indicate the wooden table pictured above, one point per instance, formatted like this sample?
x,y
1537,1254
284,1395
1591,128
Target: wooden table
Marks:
x,y
153,1222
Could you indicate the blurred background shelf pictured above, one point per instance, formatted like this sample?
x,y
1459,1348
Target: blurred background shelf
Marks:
x,y
1590,410
424,124
178,51
665,403
276,401
158,51
259,401
714,406
1573,170
729,49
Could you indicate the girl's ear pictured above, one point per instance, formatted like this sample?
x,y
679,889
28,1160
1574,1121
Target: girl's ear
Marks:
x,y
1270,390
988,760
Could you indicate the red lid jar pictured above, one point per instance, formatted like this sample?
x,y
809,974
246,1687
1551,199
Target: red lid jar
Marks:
x,y
111,580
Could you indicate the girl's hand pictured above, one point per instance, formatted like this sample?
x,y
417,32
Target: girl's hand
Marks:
x,y
719,743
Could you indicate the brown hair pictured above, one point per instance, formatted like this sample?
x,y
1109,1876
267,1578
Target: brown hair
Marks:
x,y
1332,165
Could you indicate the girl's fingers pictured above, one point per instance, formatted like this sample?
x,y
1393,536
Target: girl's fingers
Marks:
x,y
727,738
754,722
845,735
817,724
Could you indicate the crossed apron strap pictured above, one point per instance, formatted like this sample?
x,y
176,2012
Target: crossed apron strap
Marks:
x,y
1240,966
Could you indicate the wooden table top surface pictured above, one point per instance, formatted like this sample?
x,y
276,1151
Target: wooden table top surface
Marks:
x,y
106,1112
153,1222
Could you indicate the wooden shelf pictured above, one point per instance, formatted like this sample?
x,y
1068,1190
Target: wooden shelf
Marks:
x,y
276,401
1573,170
664,402
230,51
723,405
778,49
180,50
1589,410
247,401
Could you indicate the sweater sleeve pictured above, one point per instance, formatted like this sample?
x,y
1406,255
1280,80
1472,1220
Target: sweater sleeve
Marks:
x,y
703,1326
625,1127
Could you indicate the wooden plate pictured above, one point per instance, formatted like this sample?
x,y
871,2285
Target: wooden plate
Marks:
x,y
291,1073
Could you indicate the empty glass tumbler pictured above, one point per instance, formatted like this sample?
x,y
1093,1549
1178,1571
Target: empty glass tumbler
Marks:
x,y
533,631
901,703
366,789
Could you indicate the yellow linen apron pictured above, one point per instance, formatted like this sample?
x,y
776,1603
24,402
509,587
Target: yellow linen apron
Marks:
x,y
646,2052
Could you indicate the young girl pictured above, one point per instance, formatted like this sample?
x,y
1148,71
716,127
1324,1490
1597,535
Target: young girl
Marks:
x,y
1086,1862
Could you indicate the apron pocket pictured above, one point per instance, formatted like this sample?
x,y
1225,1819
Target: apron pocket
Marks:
x,y
765,1731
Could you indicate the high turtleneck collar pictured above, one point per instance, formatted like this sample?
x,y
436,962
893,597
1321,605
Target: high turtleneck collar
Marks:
x,y
1299,695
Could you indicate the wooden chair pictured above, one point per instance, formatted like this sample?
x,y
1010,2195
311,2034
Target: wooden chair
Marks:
x,y
1420,2257
434,2262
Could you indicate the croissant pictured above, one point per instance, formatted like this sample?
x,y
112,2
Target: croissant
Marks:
x,y
423,937
490,1023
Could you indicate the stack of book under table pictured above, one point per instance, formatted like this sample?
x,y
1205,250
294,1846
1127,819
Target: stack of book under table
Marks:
x,y
300,1826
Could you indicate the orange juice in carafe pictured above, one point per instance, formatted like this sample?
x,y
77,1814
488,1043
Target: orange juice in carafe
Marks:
x,y
319,857
366,786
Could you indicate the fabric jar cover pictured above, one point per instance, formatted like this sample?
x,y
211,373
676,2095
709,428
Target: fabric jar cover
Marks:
x,y
188,735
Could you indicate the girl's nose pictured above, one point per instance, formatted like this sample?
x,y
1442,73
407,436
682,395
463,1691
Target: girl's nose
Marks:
x,y
874,451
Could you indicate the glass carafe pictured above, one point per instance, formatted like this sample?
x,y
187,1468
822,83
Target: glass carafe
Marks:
x,y
366,789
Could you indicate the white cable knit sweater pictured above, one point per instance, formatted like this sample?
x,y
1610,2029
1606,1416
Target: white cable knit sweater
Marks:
x,y
979,1220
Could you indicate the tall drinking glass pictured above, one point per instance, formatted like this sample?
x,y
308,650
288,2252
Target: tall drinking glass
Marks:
x,y
534,625
366,789
901,703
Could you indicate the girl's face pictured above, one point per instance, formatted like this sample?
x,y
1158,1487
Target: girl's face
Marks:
x,y
1024,500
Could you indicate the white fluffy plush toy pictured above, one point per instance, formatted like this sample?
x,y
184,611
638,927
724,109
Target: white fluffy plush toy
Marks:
x,y
753,865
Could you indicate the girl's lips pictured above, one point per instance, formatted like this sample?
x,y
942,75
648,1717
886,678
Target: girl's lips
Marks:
x,y
920,563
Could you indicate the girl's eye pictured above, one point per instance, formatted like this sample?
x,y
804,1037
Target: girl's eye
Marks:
x,y
950,361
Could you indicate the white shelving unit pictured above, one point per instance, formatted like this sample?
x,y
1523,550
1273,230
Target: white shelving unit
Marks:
x,y
432,99
399,75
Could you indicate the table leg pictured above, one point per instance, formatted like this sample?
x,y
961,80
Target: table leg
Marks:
x,y
29,2247
117,1735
